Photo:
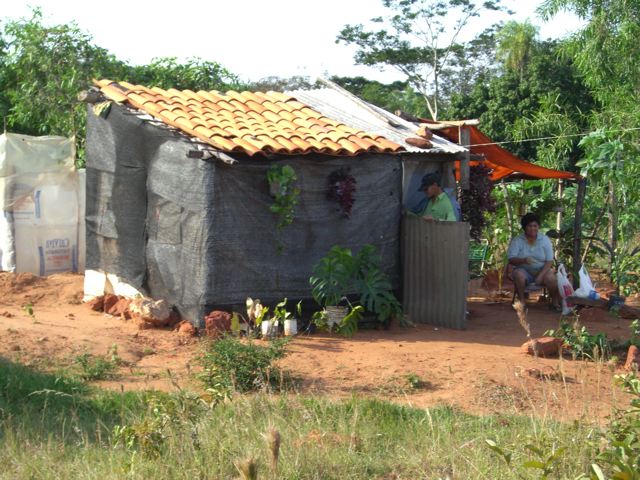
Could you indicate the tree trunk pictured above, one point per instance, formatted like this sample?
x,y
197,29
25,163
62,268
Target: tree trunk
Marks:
x,y
613,234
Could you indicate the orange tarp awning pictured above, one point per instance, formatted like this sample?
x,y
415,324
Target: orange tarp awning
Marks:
x,y
502,162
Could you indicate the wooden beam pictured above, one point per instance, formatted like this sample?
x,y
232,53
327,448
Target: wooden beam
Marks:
x,y
89,96
577,231
464,136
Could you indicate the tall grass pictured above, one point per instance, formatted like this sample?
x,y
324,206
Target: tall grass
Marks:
x,y
67,431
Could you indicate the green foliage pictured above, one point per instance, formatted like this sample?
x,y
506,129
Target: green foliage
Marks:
x,y
619,458
165,414
547,463
194,74
419,39
333,276
96,367
282,180
349,324
340,273
635,333
581,343
44,67
280,313
232,365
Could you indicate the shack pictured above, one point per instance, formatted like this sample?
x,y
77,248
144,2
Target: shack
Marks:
x,y
179,205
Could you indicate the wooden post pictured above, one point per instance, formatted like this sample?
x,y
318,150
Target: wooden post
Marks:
x,y
559,215
509,207
577,230
464,138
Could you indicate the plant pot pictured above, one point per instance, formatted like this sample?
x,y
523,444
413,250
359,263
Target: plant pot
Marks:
x,y
335,315
265,327
291,327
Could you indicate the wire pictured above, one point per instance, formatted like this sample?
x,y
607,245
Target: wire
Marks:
x,y
549,138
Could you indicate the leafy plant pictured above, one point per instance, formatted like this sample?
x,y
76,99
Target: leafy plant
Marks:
x,y
635,333
620,457
232,365
546,463
280,313
341,273
581,343
281,180
148,434
28,309
477,201
333,276
342,186
95,367
349,324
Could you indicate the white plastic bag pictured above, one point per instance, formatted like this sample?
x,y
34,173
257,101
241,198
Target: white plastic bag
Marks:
x,y
565,288
586,287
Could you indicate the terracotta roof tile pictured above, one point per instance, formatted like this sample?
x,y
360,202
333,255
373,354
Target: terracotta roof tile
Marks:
x,y
248,122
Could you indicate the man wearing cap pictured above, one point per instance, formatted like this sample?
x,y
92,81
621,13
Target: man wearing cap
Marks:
x,y
439,206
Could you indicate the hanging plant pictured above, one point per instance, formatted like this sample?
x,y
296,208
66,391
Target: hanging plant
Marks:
x,y
477,201
342,187
282,180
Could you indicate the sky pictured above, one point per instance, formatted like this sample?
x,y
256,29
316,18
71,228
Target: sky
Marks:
x,y
251,38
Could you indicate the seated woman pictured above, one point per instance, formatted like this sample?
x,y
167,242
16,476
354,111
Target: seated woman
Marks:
x,y
531,255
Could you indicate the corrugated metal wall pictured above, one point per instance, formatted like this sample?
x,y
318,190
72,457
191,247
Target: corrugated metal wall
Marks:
x,y
435,271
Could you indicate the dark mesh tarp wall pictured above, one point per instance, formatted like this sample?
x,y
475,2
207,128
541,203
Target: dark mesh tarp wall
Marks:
x,y
200,234
245,255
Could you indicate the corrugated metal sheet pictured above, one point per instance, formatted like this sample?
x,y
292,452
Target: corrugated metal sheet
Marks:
x,y
340,107
435,271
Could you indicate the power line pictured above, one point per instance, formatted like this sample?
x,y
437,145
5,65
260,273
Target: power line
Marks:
x,y
549,138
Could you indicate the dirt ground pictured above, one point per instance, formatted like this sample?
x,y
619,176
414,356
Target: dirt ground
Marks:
x,y
480,370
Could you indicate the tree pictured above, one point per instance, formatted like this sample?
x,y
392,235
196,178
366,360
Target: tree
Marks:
x,y
194,74
605,53
418,43
515,45
45,68
280,84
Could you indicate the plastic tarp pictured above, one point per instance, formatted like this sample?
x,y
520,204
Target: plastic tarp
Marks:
x,y
42,202
200,234
502,162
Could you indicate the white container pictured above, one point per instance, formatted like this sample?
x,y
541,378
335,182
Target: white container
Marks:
x,y
290,327
266,327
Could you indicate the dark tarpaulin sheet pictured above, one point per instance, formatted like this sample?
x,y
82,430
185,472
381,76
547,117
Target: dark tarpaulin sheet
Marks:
x,y
200,234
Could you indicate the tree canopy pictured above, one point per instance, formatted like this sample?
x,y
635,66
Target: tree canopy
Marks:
x,y
417,40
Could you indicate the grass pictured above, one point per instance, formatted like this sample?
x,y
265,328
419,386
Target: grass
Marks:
x,y
52,426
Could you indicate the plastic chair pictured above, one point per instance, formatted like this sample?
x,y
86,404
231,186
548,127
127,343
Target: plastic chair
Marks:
x,y
477,257
532,287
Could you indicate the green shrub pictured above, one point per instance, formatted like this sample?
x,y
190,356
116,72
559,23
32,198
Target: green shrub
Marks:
x,y
232,365
581,343
95,367
620,456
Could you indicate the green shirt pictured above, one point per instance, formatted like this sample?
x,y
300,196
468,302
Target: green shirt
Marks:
x,y
439,208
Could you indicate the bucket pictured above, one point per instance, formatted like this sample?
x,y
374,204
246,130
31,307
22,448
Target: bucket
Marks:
x,y
615,302
291,327
266,327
